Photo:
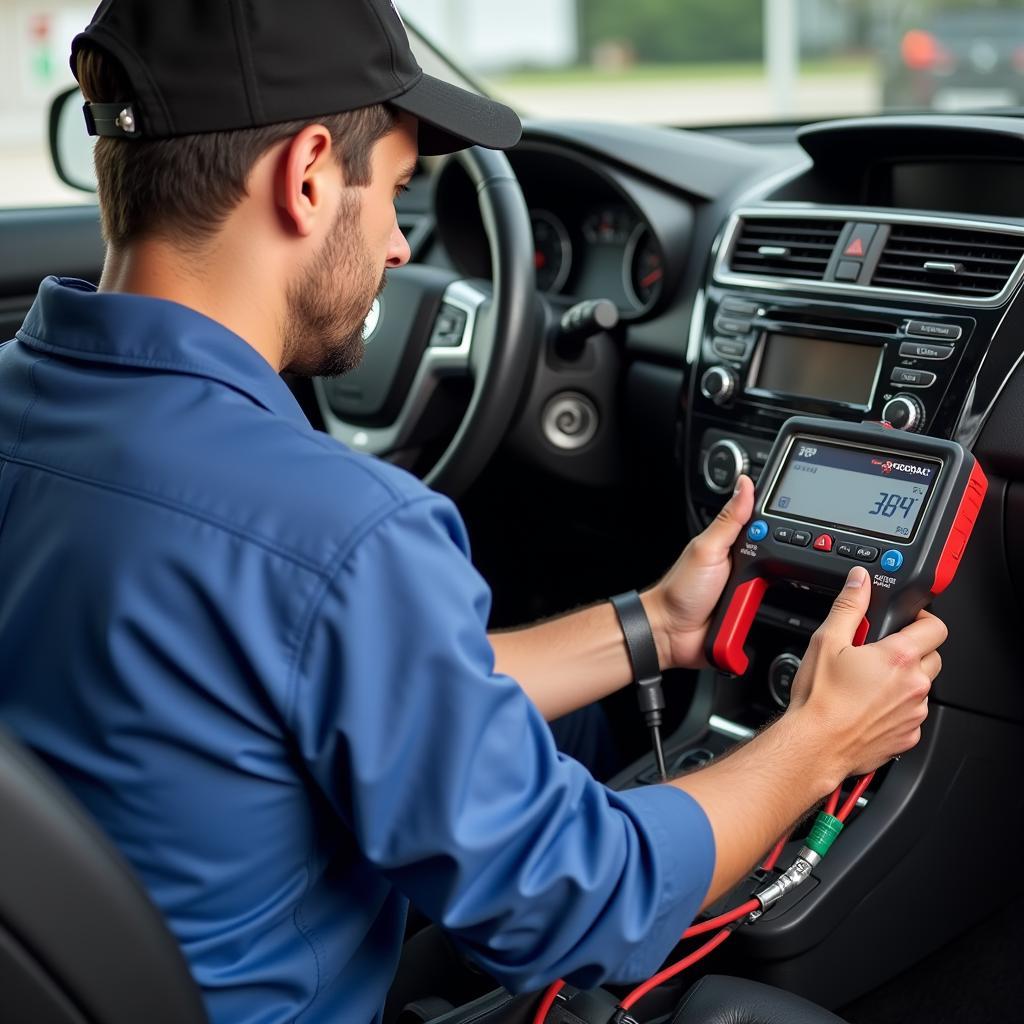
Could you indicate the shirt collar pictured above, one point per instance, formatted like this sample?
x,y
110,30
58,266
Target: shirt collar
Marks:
x,y
71,318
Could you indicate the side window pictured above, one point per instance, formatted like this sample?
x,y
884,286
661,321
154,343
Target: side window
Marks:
x,y
35,43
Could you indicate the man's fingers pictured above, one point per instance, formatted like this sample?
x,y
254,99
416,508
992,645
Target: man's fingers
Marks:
x,y
849,607
931,665
921,637
721,533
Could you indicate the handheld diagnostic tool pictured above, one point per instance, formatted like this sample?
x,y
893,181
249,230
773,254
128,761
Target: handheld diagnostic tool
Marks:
x,y
833,495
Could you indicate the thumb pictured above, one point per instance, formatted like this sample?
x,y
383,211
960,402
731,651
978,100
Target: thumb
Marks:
x,y
849,607
722,531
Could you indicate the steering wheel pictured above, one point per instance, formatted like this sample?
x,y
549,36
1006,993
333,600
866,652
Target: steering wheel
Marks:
x,y
429,324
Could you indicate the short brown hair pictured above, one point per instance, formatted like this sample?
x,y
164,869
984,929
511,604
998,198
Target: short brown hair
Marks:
x,y
183,188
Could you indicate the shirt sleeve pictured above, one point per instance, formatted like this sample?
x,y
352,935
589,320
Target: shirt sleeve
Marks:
x,y
448,777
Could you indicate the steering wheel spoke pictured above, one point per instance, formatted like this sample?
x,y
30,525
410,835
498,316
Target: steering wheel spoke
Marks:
x,y
449,353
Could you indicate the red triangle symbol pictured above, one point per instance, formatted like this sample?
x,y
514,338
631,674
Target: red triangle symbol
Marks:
x,y
855,248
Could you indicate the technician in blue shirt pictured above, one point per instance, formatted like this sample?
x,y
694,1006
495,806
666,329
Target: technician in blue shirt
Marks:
x,y
261,660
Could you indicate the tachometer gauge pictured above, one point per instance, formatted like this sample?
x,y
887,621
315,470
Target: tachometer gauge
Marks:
x,y
643,268
552,250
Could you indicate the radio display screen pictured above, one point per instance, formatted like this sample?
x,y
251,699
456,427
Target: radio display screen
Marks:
x,y
862,490
835,371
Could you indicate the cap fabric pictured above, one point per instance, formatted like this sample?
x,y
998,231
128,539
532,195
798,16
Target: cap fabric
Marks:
x,y
218,65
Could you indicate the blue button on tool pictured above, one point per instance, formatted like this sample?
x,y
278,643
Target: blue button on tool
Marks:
x,y
757,530
892,560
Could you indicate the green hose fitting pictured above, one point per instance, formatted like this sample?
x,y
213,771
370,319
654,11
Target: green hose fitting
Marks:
x,y
823,834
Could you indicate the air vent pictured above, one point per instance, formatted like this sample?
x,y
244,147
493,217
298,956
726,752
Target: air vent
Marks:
x,y
950,261
785,247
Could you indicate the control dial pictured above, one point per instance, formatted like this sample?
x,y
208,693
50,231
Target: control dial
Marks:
x,y
781,673
905,412
718,384
724,462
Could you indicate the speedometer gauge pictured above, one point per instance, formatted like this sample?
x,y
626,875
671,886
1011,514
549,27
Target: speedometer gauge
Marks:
x,y
552,250
643,268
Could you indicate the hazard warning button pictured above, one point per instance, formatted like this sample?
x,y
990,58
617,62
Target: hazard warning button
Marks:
x,y
857,244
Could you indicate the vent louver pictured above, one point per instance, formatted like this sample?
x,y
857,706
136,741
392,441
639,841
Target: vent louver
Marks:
x,y
785,247
950,261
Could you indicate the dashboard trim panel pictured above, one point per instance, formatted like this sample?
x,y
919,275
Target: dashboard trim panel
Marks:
x,y
723,275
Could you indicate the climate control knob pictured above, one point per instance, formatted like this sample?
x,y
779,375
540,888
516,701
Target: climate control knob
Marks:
x,y
904,412
719,384
723,463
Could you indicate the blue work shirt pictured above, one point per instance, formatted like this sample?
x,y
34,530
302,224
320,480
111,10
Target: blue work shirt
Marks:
x,y
261,661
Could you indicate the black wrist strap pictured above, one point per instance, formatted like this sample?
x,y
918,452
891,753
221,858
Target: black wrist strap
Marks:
x,y
643,652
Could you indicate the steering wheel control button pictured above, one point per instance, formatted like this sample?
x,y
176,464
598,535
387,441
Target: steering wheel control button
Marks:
x,y
449,328
781,673
864,553
892,560
569,421
783,534
912,378
904,412
940,332
724,462
922,350
718,384
801,538
823,542
757,530
730,348
846,549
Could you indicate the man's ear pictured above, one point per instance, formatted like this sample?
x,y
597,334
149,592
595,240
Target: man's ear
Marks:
x,y
307,175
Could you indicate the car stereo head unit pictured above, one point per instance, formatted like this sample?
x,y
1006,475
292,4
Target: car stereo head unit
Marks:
x,y
835,494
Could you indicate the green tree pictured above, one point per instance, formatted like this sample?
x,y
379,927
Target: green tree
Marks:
x,y
675,30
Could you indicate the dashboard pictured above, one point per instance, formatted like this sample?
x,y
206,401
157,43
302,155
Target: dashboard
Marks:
x,y
866,269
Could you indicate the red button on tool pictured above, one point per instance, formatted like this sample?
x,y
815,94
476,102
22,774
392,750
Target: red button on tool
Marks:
x,y
823,543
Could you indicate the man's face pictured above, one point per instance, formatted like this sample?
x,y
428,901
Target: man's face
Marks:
x,y
328,305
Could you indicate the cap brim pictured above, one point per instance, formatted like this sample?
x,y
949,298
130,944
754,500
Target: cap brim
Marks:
x,y
452,118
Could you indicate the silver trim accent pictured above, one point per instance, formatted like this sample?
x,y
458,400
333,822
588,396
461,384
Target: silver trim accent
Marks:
x,y
729,381
739,455
731,729
723,275
941,267
917,413
437,362
582,414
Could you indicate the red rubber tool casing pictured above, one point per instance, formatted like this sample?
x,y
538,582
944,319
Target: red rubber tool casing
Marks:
x,y
929,556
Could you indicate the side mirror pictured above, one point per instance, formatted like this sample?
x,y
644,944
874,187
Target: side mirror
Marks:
x,y
70,144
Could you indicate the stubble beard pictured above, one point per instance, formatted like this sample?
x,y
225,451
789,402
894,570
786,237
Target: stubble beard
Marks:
x,y
326,309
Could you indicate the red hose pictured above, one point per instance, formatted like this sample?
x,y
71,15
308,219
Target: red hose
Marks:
x,y
550,995
677,968
858,792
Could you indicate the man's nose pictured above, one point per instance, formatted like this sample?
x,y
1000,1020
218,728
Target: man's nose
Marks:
x,y
398,249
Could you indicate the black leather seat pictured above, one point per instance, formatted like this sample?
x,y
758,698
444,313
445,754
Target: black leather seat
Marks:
x,y
720,1000
81,943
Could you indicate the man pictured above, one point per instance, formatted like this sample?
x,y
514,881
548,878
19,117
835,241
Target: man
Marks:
x,y
260,660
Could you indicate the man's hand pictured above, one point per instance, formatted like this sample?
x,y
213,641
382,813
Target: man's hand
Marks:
x,y
680,605
866,704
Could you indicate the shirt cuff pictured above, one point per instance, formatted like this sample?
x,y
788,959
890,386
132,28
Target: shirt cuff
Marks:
x,y
680,835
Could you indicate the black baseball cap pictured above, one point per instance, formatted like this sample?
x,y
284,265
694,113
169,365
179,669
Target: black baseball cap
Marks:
x,y
217,65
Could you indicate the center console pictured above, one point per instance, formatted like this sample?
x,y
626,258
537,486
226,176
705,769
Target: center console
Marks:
x,y
855,315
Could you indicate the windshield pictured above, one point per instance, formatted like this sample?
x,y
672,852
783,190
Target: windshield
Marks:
x,y
694,62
